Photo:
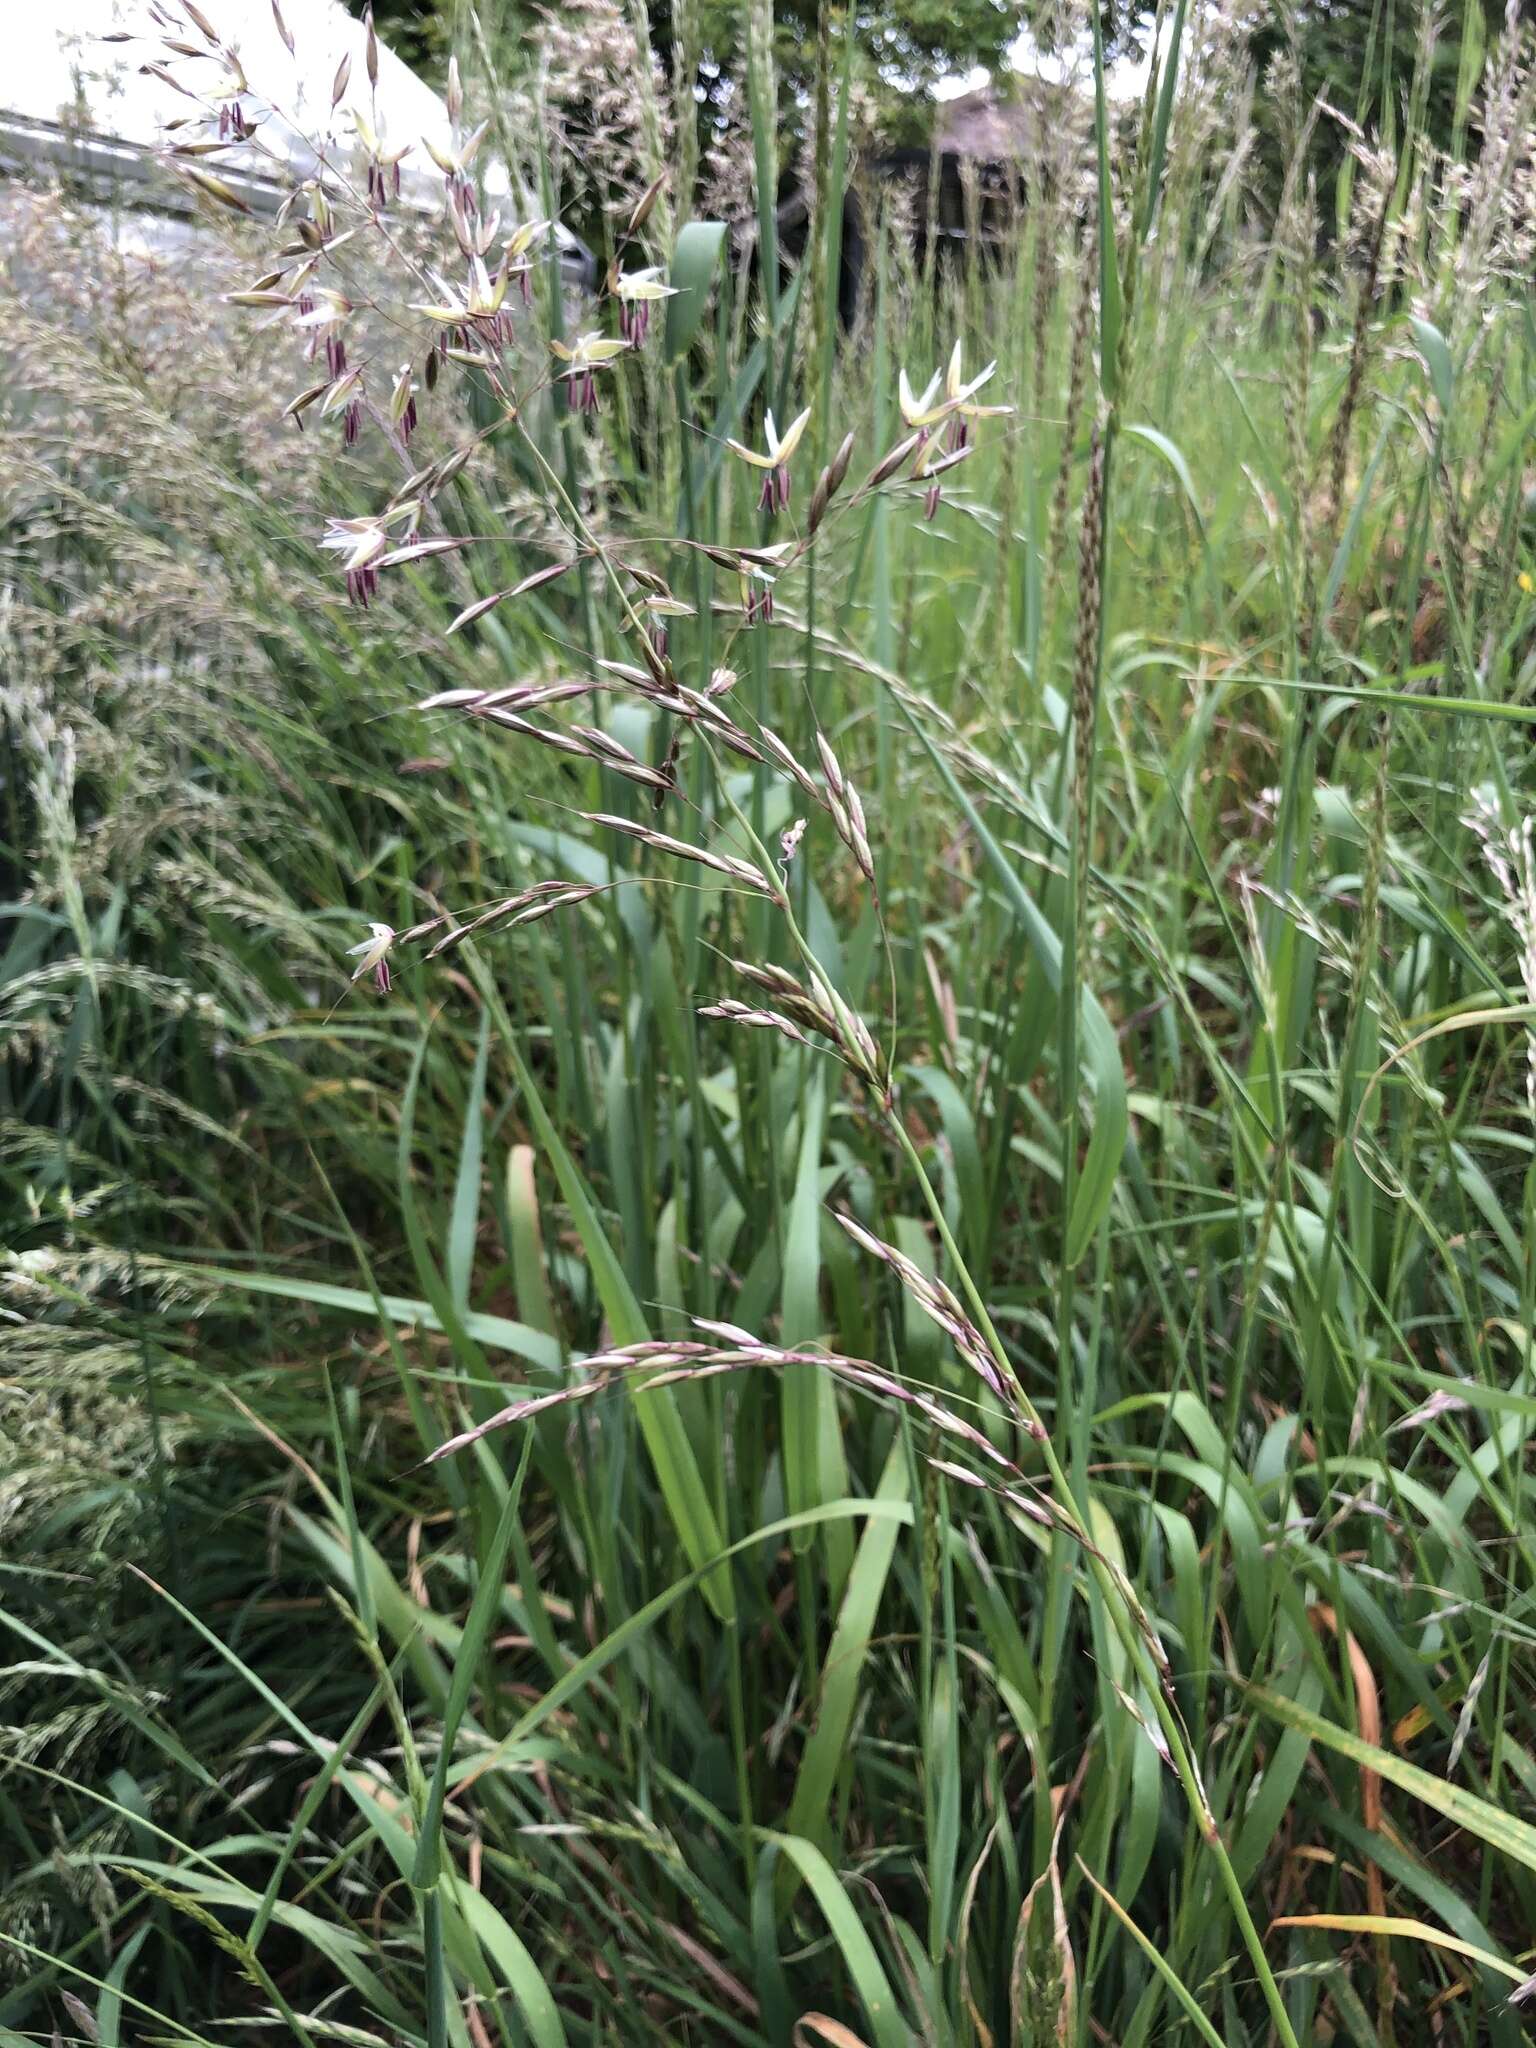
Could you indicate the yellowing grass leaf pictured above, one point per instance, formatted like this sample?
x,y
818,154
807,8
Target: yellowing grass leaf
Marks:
x,y
1502,1831
1390,1925
815,2026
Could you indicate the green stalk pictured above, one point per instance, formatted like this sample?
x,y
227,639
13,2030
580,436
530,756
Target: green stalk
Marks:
x,y
1129,1619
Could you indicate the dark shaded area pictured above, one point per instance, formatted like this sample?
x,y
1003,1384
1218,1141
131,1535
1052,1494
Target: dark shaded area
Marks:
x,y
1361,59
416,30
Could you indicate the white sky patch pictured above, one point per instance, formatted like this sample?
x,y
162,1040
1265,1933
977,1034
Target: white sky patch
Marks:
x,y
1124,79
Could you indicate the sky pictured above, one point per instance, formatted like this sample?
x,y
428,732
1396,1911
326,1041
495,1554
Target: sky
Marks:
x,y
1124,80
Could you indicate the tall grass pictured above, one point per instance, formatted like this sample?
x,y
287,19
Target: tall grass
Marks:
x,y
910,1431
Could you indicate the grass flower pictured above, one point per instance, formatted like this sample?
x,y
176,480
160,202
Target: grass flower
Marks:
x,y
516,255
658,608
454,163
365,544
775,461
758,569
978,1124
346,397
962,398
928,408
476,306
402,403
946,397
323,312
1510,854
637,291
587,354
372,955
360,542
383,166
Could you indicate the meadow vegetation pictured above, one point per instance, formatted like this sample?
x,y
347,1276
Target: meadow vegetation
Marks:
x,y
872,1384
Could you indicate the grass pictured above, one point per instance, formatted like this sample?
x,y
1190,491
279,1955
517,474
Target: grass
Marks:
x,y
1167,1050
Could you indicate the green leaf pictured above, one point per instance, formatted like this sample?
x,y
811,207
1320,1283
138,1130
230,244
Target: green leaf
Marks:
x,y
656,1409
430,1279
965,1151
857,1950
1158,1960
1100,1048
1167,89
801,1312
634,1626
109,2007
517,1968
1432,346
811,1808
695,258
1500,1829
1351,534
526,1244
484,1612
498,1333
466,1190
1111,305
1173,455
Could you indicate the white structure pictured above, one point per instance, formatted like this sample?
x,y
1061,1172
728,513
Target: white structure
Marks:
x,y
80,106
73,101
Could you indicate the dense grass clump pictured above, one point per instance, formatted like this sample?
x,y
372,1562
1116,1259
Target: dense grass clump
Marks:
x,y
872,1382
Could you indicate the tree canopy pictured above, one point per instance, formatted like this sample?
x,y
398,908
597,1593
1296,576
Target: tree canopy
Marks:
x,y
910,46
